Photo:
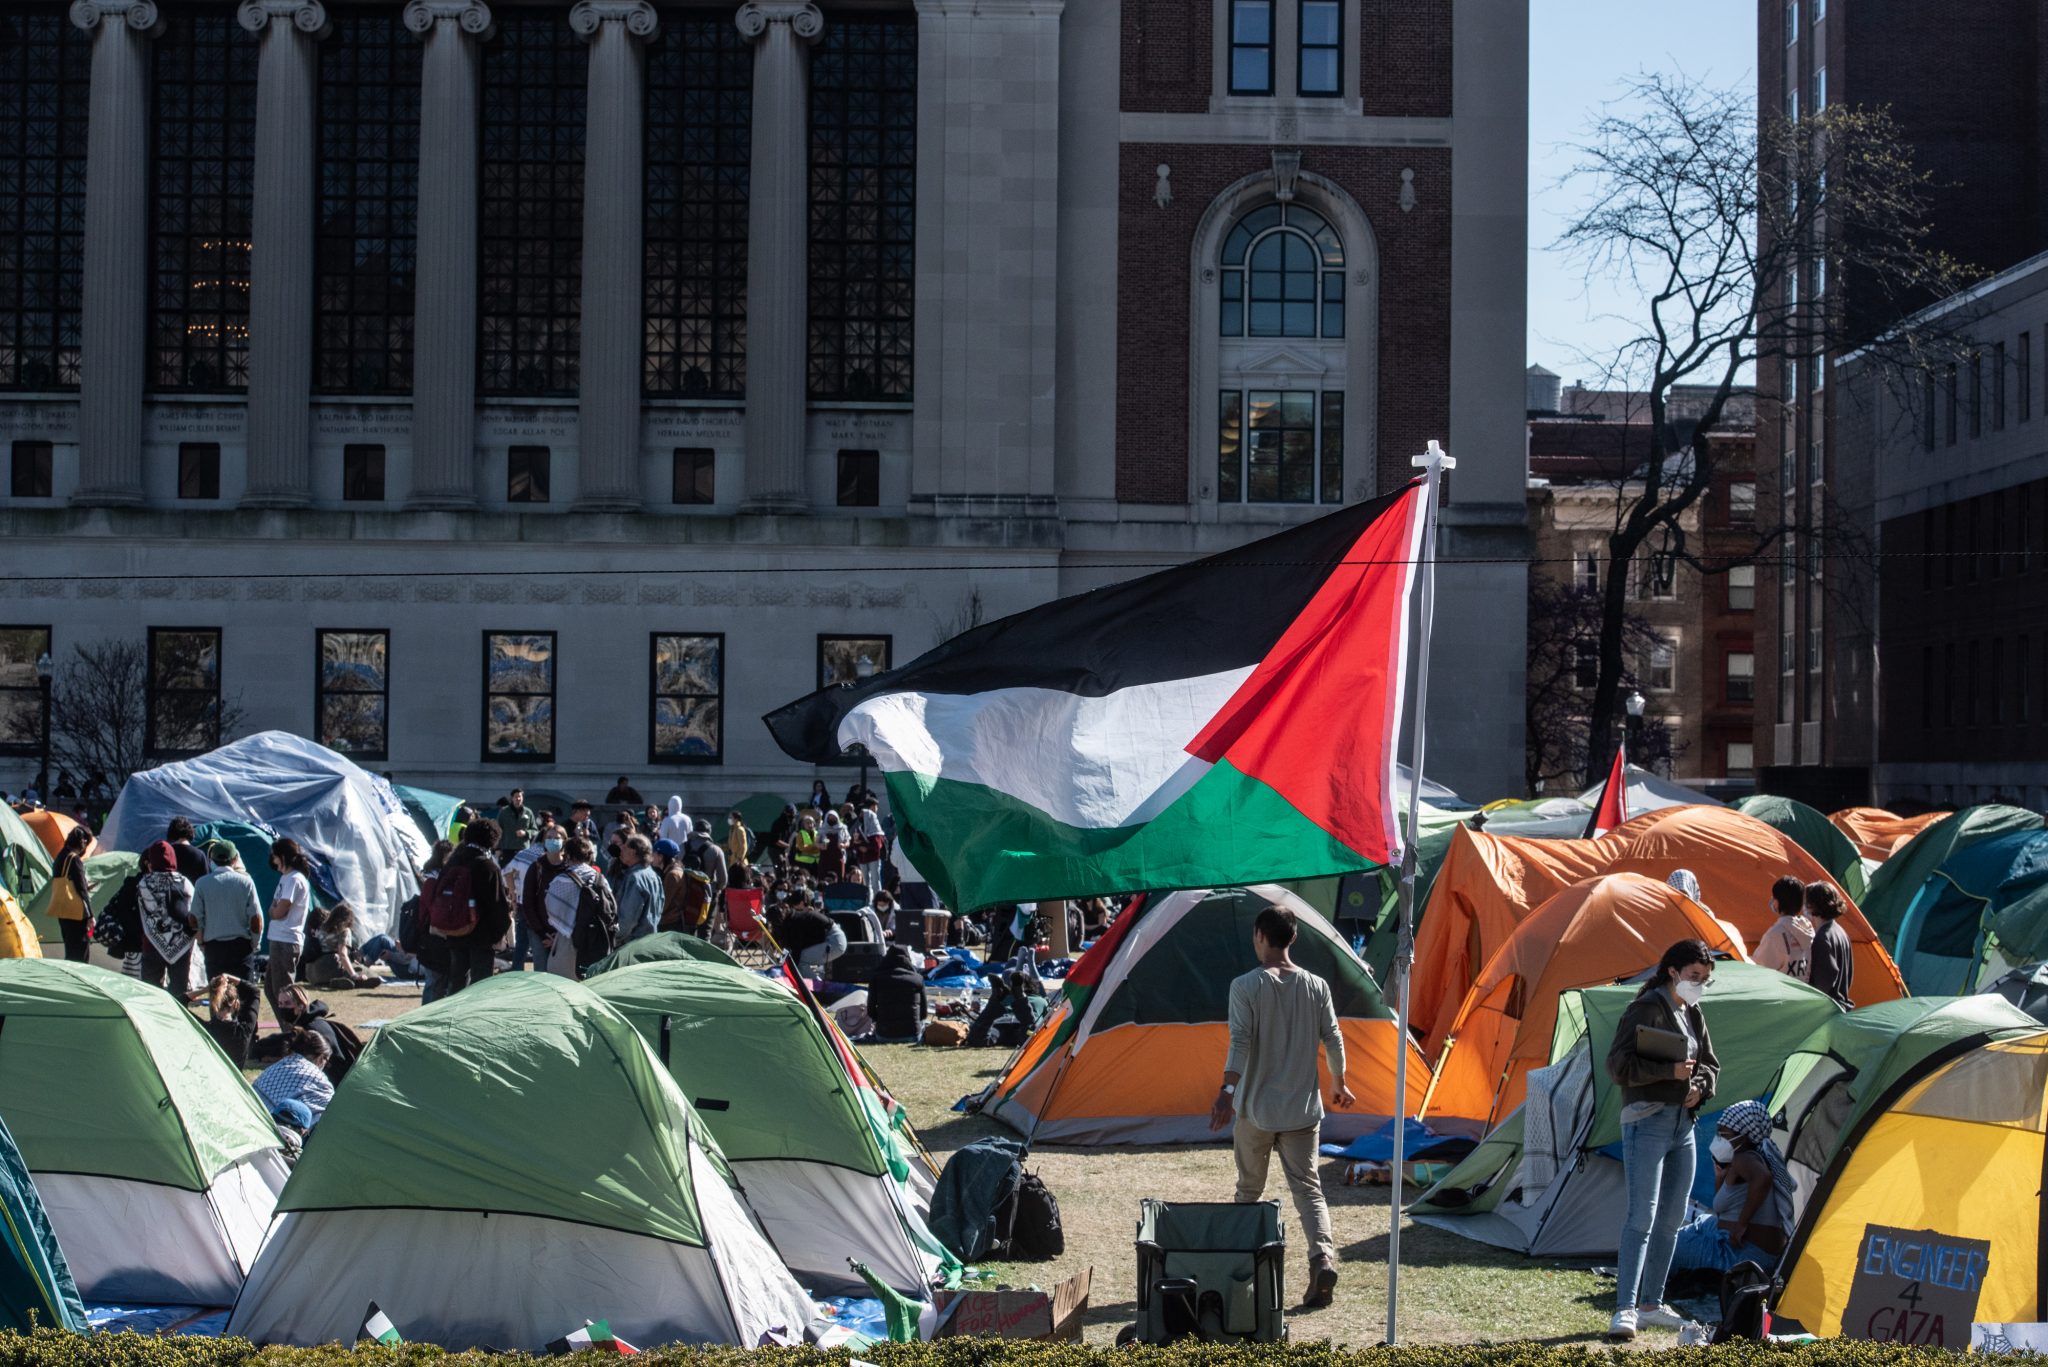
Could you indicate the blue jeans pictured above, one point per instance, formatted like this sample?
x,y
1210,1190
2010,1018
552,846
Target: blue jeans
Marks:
x,y
1704,1246
527,946
436,985
1657,1165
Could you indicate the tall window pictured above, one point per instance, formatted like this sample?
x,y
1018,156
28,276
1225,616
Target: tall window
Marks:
x,y
1998,387
1251,47
1283,275
369,178
694,476
32,469
1322,48
1281,446
1742,588
2023,371
1662,666
183,693
1741,676
1586,571
527,470
863,208
362,473
700,83
687,725
530,232
352,692
45,70
203,113
21,692
519,696
198,469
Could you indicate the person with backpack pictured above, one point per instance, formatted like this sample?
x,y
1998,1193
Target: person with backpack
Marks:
x,y
530,939
668,865
582,914
870,843
285,928
71,895
169,929
230,914
468,909
431,952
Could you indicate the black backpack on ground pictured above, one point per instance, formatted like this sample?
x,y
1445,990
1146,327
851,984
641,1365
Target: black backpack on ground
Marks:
x,y
987,1206
1032,1216
1746,1294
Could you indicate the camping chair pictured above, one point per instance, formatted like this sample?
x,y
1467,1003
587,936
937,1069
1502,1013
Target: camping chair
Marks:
x,y
741,936
1210,1271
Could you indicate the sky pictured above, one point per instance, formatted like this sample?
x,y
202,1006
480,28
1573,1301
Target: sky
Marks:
x,y
1580,52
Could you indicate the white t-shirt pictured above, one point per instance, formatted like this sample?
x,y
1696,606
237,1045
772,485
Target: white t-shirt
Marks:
x,y
291,928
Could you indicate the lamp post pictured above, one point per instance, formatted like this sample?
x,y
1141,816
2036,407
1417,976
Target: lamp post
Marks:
x,y
1633,748
44,670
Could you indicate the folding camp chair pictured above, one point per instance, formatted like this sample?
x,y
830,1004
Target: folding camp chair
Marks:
x,y
1210,1271
741,935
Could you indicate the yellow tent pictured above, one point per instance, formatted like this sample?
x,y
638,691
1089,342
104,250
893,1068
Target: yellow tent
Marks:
x,y
1930,1216
17,937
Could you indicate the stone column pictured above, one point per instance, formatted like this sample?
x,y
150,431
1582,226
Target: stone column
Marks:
x,y
281,259
609,389
116,303
444,296
778,243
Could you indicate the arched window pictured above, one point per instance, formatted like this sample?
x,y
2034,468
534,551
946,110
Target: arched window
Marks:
x,y
1283,275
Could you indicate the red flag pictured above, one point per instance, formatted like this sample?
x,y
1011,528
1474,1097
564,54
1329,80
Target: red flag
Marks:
x,y
1613,806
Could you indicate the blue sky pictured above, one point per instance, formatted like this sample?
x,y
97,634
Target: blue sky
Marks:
x,y
1580,51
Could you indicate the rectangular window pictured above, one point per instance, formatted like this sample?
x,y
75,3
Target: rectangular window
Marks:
x,y
199,469
1820,89
860,479
1586,571
1791,22
1998,387
1927,688
1927,414
1658,578
1585,665
1929,548
1281,467
1997,692
1948,684
851,659
1972,672
45,72
2023,371
1952,403
1660,677
1251,47
21,692
34,470
1322,47
693,477
526,474
352,691
1742,588
519,697
182,700
1741,676
1742,504
362,473
2023,684
1330,478
1977,394
1741,758
687,725
1230,447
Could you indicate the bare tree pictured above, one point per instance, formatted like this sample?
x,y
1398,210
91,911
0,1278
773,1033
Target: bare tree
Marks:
x,y
1717,220
99,722
1564,634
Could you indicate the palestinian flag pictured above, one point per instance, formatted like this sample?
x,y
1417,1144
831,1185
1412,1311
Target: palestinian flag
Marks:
x,y
1612,809
1221,722
378,1328
594,1334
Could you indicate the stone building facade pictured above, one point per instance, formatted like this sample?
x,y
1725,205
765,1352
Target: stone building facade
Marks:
x,y
505,389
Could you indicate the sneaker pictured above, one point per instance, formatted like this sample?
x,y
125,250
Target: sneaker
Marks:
x,y
1622,1327
1322,1284
1658,1316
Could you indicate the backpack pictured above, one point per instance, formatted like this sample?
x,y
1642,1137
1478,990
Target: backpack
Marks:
x,y
1746,1293
411,924
348,1047
1030,1221
597,919
119,927
451,906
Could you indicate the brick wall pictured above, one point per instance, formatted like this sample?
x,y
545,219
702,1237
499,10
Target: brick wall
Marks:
x,y
1405,57
1153,290
1167,56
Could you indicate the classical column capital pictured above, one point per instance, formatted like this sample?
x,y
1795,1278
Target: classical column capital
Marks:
x,y
307,16
805,20
472,16
588,16
139,15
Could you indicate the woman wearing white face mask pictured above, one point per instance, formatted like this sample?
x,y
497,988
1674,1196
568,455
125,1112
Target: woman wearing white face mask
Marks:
x,y
1663,1061
1752,1216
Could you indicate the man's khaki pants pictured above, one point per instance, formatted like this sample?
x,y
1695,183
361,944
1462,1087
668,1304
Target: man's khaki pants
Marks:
x,y
1298,1154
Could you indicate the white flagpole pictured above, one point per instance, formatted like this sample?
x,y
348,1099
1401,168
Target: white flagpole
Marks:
x,y
1433,463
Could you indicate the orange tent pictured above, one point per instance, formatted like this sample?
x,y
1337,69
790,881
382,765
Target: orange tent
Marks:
x,y
1590,934
53,828
1489,883
1876,833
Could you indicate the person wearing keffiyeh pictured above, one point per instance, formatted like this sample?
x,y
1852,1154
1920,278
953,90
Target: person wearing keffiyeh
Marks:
x,y
1753,1198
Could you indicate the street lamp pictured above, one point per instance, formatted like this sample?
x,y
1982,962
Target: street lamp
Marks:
x,y
44,669
1634,705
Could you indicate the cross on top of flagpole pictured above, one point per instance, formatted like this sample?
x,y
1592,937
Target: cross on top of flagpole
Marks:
x,y
1435,458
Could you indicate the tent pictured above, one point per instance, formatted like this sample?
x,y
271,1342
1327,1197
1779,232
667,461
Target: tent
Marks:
x,y
107,873
1981,911
432,812
1132,1052
1545,818
1488,883
2025,987
24,863
350,821
1930,1216
1852,1059
36,1289
500,1167
1878,834
18,939
53,829
158,1165
1899,881
828,1176
1649,792
1591,933
1817,835
665,946
1548,1181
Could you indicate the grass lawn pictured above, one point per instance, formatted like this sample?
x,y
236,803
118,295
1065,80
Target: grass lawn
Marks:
x,y
1453,1290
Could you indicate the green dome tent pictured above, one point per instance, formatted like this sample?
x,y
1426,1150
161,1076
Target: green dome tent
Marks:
x,y
36,1289
432,812
157,1164
1899,879
827,1174
1814,833
107,873
502,1166
1965,900
24,863
665,946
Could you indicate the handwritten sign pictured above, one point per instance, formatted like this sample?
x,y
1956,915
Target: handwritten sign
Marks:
x,y
1915,1286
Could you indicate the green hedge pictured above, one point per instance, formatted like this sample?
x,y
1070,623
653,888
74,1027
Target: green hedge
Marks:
x,y
51,1349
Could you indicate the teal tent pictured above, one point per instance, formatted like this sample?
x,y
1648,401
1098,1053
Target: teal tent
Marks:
x,y
253,844
24,863
1814,833
1900,878
36,1290
432,812
1965,900
662,947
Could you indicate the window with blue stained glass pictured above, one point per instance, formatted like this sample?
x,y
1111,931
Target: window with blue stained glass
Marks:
x,y
45,73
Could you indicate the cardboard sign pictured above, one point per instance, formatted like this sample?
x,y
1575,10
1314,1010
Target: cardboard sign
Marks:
x,y
1915,1286
2008,1338
1054,1314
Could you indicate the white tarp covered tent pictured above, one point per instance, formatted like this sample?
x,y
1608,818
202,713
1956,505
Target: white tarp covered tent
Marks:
x,y
1649,792
349,820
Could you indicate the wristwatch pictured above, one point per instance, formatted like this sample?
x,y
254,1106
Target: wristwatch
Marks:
x,y
1230,1089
